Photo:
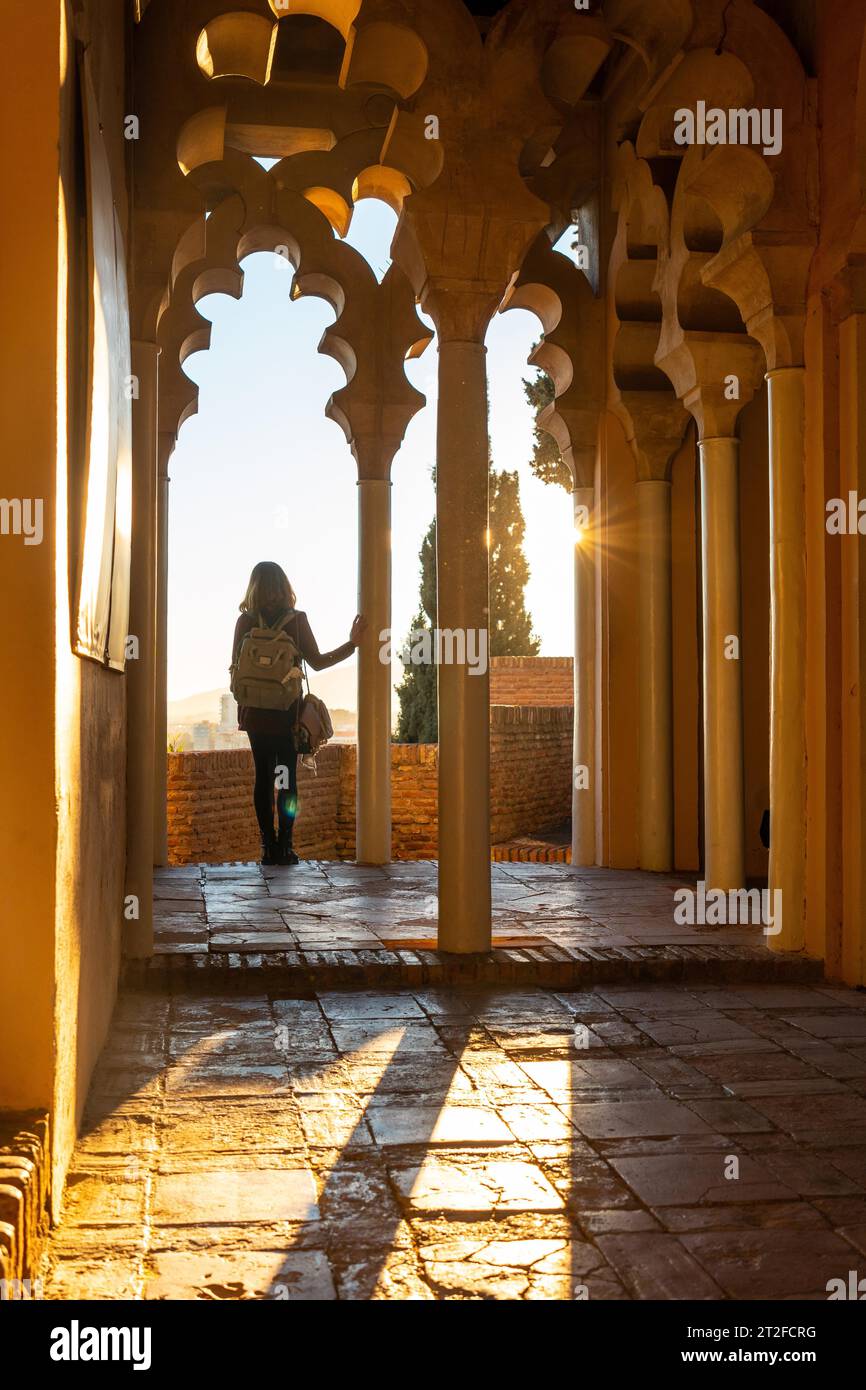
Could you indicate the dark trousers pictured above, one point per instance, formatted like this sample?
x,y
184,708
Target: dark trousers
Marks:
x,y
273,753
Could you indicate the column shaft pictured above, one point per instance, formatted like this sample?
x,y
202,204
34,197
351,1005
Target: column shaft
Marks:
x,y
722,666
655,722
787,409
852,479
584,790
463,618
140,673
373,794
160,739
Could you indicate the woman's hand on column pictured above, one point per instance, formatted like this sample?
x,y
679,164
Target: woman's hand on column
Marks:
x,y
359,627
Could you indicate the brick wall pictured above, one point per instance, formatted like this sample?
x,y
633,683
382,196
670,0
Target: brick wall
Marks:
x,y
211,819
531,680
414,788
210,811
530,770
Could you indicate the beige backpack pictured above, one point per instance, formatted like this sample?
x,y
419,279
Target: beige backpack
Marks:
x,y
267,672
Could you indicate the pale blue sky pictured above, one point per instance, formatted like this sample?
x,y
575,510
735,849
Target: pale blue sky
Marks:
x,y
261,449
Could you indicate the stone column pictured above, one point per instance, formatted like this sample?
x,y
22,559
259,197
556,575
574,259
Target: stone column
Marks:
x,y
373,794
463,599
656,786
583,795
165,447
852,479
787,409
138,938
724,827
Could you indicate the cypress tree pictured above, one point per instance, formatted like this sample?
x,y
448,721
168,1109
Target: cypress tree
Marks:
x,y
510,625
417,721
547,462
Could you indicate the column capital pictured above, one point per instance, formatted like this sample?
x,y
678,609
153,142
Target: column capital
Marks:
x,y
461,310
374,455
715,376
655,423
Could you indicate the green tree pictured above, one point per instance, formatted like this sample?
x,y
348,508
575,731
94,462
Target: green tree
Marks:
x,y
547,462
510,625
417,720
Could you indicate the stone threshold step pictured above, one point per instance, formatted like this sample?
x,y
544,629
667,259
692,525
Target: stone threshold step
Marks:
x,y
559,967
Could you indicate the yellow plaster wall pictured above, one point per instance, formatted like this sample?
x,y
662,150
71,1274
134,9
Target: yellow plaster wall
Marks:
x,y
91,727
28,423
62,738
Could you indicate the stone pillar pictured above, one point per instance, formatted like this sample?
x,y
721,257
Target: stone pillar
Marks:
x,y
724,828
373,794
852,479
464,692
160,739
787,409
140,673
655,704
583,795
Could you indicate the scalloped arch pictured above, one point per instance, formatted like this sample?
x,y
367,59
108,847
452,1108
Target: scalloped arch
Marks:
x,y
238,44
550,286
340,14
375,326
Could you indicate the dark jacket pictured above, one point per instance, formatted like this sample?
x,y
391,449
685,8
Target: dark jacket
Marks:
x,y
279,721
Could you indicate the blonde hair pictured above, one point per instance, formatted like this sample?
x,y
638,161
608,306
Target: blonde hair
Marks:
x,y
269,587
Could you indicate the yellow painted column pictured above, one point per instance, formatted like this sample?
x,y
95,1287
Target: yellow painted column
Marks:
x,y
140,672
463,617
373,787
724,822
160,739
655,704
787,410
584,790
852,480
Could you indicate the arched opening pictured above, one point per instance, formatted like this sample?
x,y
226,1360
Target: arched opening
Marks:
x,y
262,473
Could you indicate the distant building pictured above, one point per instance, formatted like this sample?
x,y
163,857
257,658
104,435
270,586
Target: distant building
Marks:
x,y
228,713
202,737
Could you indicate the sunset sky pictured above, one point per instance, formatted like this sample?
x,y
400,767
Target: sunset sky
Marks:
x,y
261,444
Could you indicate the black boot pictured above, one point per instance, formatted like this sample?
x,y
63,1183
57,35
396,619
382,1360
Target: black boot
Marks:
x,y
270,850
285,853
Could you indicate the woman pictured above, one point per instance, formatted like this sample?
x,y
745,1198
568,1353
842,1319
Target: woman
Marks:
x,y
271,732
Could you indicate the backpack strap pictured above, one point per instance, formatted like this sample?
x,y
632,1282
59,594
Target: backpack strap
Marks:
x,y
304,677
300,653
279,623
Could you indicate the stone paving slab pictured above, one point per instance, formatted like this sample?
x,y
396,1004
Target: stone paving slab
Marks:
x,y
467,1144
322,925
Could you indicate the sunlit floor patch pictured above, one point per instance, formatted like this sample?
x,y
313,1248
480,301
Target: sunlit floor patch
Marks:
x,y
510,1144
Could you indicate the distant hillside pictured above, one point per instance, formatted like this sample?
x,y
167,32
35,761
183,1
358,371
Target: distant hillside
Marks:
x,y
336,687
195,708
